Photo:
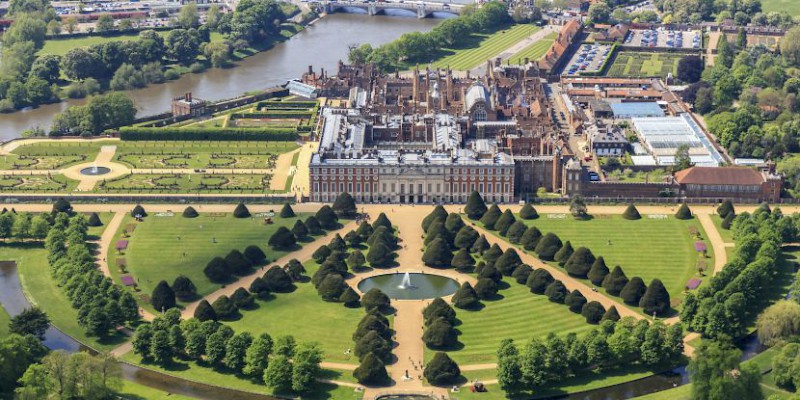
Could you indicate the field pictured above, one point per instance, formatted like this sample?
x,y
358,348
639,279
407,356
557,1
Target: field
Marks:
x,y
790,6
519,315
250,155
535,50
332,324
669,255
60,47
187,183
483,47
165,247
630,64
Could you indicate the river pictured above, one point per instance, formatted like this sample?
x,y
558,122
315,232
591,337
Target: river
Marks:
x,y
322,45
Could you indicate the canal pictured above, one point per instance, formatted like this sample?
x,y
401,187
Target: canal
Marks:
x,y
321,45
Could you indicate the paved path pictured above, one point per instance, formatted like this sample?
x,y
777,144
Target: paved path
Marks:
x,y
713,236
283,170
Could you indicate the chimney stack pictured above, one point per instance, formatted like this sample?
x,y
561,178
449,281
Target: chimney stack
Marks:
x,y
310,70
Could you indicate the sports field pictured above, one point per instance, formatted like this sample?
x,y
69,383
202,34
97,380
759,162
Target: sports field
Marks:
x,y
631,64
535,50
483,47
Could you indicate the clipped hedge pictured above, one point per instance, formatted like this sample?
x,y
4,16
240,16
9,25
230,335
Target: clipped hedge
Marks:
x,y
272,114
219,134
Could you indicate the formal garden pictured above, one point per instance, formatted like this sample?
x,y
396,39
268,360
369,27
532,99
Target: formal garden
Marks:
x,y
636,65
188,183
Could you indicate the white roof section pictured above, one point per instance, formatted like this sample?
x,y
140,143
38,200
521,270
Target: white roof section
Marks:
x,y
662,136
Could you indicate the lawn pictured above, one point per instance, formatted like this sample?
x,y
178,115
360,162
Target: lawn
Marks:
x,y
67,148
535,51
329,324
135,391
41,290
187,183
483,47
94,232
631,64
36,183
790,6
4,320
18,162
60,47
161,248
726,234
669,254
519,315
250,155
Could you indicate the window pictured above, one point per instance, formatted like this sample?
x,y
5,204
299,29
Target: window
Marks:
x,y
480,187
402,188
393,188
358,187
324,186
430,187
349,187
384,187
419,188
489,187
316,187
341,187
463,187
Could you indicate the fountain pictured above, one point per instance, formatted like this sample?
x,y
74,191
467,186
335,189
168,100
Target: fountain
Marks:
x,y
406,284
94,170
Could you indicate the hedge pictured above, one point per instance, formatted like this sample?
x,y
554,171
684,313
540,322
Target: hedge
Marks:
x,y
272,114
221,134
288,104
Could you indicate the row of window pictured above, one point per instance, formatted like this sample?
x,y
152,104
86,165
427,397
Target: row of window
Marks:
x,y
725,188
391,188
460,171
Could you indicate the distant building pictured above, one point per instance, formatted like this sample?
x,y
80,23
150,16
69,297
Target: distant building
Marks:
x,y
662,137
301,89
636,110
608,141
616,33
565,40
187,105
729,182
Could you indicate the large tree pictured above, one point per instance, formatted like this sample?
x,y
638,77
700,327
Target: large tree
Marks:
x,y
441,370
475,207
31,321
656,299
163,298
345,206
371,371
715,373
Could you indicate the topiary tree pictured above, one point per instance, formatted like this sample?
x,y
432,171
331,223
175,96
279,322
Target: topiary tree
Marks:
x,y
204,312
313,225
238,264
327,217
580,262
480,245
94,220
453,223
217,270
383,221
491,216
683,212
382,235
548,246
611,315
241,211
633,291
321,253
184,288
465,238
655,300
575,301
438,231
486,288
539,280
163,298
350,298
438,213
260,288
62,206
475,207
614,282
190,212
556,292
138,211
521,273
282,239
463,261
345,206
299,230
598,271
278,280
438,308
224,307
515,231
373,321
530,238
490,272
353,239
375,299
728,221
437,254
332,287
373,343
564,253
242,299
577,207
440,334
593,311
379,256
508,262
528,212
364,230
337,243
465,297
295,269
442,370
725,209
371,371
504,222
255,254
356,260
286,211
631,213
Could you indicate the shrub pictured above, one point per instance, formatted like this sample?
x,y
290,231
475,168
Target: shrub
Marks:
x,y
136,133
327,217
528,212
138,210
530,238
94,220
204,312
611,315
163,298
437,254
217,270
725,209
439,334
490,272
521,273
633,291
286,211
237,263
259,287
614,282
332,287
556,292
580,262
491,255
356,259
373,321
683,212
463,261
515,232
224,307
241,211
504,222
453,223
372,343
438,308
564,253
184,288
337,243
438,231
593,311
299,230
255,254
538,280
491,216
656,299
375,299
350,298
475,207
442,370
62,205
345,206
278,280
321,253
485,288
465,238
364,230
242,298
190,212
371,371
465,297
575,301
438,213
598,271
548,246
631,213
282,239
480,245
508,262
379,256
728,221
313,225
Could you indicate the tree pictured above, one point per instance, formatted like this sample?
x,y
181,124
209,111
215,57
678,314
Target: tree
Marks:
x,y
217,270
439,334
188,16
299,230
371,371
331,287
725,209
254,254
327,217
441,370
453,223
62,206
715,373
530,238
375,299
575,301
438,308
438,231
190,212
521,273
599,13
379,256
556,292
475,206
306,367
490,217
373,321
138,211
184,289
504,222
350,298
548,246
345,206
704,100
163,297
790,48
539,280
613,315
682,158
683,212
466,238
598,271
778,322
438,213
593,311
577,207
480,245
282,239
509,369
533,363
31,321
237,263
490,272
725,53
463,261
242,299
287,211
241,211
356,260
690,69
383,221
633,291
528,212
256,358
278,374
236,351
614,282
516,231
204,312
564,253
437,254
507,262
278,280
184,46
313,225
465,297
580,262
631,213
486,288
656,299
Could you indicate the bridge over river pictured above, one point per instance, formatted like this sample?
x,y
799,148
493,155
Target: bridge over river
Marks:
x,y
423,9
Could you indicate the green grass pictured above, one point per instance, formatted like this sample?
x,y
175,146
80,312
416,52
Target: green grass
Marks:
x,y
51,148
307,317
631,64
60,47
155,253
483,47
679,393
94,232
250,155
43,291
790,6
534,51
4,320
519,315
188,183
726,234
135,391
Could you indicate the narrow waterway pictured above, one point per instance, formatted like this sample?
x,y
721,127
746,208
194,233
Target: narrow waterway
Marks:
x,y
321,45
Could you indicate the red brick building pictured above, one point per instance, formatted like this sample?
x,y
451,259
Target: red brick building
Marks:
x,y
729,182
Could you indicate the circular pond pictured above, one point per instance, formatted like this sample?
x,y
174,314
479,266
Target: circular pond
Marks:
x,y
408,286
94,171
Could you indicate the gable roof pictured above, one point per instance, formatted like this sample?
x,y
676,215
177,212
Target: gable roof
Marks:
x,y
719,176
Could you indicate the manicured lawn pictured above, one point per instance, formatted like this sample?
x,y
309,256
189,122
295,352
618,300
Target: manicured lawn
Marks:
x,y
42,291
95,231
790,6
62,46
165,247
535,50
307,317
134,391
36,183
17,162
187,183
726,234
631,64
190,154
679,393
519,315
648,248
4,320
483,47
51,148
